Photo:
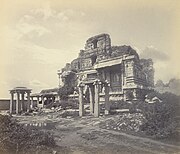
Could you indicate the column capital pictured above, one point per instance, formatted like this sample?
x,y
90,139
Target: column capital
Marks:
x,y
97,82
81,84
12,93
106,84
22,92
28,92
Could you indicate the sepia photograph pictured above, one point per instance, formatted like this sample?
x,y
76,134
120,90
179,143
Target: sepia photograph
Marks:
x,y
90,77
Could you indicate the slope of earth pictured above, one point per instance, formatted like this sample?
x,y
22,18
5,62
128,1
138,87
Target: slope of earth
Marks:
x,y
85,136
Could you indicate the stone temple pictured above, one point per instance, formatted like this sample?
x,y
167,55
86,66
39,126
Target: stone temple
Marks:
x,y
105,72
101,74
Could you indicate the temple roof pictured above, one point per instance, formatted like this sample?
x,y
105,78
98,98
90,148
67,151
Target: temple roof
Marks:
x,y
20,89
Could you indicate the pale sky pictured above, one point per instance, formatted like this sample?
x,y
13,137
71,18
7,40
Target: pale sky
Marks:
x,y
38,37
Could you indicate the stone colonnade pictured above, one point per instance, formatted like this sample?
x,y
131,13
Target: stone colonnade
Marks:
x,y
94,90
19,106
41,98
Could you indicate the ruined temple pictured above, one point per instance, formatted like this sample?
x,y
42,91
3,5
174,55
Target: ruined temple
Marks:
x,y
128,76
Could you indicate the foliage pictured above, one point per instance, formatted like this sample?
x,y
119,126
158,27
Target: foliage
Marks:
x,y
160,115
65,91
133,106
172,86
15,138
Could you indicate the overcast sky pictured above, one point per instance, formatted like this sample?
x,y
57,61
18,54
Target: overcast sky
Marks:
x,y
38,37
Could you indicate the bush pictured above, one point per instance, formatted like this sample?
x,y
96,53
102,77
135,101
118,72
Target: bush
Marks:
x,y
160,116
65,91
15,138
133,106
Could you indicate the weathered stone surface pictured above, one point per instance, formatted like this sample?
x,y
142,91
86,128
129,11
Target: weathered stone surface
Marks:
x,y
119,65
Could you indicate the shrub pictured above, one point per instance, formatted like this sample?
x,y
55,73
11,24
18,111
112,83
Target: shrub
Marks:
x,y
15,138
133,106
65,91
160,116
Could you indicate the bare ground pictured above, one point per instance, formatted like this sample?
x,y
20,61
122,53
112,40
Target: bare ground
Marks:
x,y
84,136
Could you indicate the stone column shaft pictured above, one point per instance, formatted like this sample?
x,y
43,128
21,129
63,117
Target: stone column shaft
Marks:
x,y
42,99
91,98
28,101
96,100
32,103
81,103
107,105
11,103
124,94
135,94
18,105
37,101
22,102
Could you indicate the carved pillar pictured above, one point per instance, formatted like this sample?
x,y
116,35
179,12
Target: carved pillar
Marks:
x,y
11,103
107,105
28,101
81,100
22,101
91,98
18,105
96,98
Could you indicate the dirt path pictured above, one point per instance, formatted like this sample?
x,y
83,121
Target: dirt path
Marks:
x,y
83,136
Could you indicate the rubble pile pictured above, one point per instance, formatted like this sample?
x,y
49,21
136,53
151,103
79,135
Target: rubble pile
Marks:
x,y
124,122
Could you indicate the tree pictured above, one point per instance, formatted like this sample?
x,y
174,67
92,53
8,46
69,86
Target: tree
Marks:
x,y
65,91
159,83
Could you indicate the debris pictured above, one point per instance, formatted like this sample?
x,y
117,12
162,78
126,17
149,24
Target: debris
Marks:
x,y
124,122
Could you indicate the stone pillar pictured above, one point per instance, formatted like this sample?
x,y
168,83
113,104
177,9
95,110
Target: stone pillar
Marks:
x,y
91,98
11,103
42,99
48,100
32,103
107,105
124,95
96,98
37,101
28,101
81,101
135,94
22,101
18,105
